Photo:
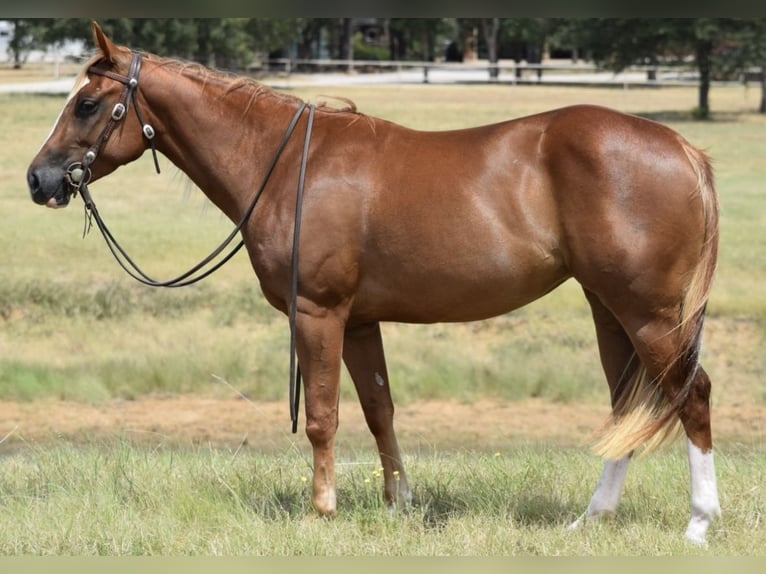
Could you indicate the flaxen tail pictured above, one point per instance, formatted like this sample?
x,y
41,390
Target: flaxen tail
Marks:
x,y
644,415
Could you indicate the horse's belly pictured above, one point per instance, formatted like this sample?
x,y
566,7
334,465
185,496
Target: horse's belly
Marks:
x,y
457,289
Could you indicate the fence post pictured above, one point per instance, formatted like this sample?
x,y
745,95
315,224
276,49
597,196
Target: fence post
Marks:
x,y
494,72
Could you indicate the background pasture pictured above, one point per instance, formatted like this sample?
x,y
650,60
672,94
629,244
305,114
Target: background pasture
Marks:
x,y
75,331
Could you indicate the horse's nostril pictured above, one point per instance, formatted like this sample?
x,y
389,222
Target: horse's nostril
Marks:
x,y
33,181
45,184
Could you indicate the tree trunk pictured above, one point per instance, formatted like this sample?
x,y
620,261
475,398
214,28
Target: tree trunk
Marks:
x,y
203,54
491,28
704,61
763,90
430,44
347,42
16,43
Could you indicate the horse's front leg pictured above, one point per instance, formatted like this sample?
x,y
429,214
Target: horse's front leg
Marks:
x,y
320,346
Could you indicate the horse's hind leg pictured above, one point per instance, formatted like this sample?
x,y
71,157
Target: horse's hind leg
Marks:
x,y
620,365
683,382
363,355
704,491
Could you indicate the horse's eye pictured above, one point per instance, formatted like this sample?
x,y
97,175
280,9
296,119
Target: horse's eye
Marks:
x,y
86,107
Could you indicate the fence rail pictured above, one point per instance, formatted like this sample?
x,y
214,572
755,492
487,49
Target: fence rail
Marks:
x,y
521,72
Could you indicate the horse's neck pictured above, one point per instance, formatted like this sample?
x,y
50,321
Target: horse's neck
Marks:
x,y
223,140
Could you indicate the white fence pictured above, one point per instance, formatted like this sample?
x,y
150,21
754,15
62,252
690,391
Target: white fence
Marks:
x,y
482,71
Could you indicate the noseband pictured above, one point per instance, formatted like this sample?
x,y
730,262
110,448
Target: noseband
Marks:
x,y
78,174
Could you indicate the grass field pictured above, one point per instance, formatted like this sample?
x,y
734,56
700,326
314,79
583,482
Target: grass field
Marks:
x,y
74,328
116,499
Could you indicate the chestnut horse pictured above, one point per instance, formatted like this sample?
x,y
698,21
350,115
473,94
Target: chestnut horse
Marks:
x,y
411,226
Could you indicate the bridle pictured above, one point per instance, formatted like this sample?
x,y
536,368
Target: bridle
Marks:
x,y
78,175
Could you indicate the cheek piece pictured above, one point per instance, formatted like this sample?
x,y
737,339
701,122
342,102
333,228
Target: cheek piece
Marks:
x,y
78,174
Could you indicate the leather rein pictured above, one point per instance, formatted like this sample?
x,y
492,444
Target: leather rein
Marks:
x,y
78,175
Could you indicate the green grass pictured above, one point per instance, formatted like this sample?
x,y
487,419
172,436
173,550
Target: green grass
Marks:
x,y
117,499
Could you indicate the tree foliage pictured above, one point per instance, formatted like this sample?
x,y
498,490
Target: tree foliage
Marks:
x,y
716,46
617,43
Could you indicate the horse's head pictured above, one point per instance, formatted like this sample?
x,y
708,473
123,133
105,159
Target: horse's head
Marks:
x,y
94,134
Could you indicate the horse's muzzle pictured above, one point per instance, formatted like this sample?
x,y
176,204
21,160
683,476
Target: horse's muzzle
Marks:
x,y
48,186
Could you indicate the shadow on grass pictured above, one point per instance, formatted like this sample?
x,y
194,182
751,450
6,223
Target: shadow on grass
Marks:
x,y
438,506
524,510
681,116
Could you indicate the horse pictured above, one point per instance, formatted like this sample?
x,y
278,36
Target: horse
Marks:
x,y
401,225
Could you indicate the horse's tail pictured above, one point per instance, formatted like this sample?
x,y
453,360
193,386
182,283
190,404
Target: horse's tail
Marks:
x,y
643,414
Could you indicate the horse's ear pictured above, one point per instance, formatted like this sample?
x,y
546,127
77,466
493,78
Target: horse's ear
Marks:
x,y
107,47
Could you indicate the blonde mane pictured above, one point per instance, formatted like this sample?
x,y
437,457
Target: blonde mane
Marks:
x,y
234,83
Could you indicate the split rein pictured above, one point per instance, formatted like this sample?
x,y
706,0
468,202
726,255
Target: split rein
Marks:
x,y
78,175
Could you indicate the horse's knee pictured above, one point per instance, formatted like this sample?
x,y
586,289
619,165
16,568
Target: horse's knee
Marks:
x,y
321,430
701,387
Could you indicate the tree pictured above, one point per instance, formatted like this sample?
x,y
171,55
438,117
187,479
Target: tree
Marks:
x,y
58,30
309,34
169,37
572,35
24,38
416,38
618,43
229,43
271,34
749,53
219,42
756,44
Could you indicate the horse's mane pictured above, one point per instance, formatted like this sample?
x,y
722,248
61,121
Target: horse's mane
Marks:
x,y
234,82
